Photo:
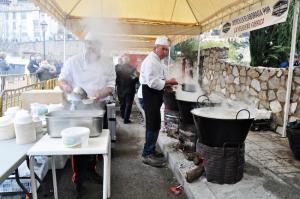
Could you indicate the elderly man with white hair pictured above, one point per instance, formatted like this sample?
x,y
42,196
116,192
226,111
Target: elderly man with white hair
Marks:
x,y
126,81
152,79
93,73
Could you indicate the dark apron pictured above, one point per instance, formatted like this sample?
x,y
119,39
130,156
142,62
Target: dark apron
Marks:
x,y
153,100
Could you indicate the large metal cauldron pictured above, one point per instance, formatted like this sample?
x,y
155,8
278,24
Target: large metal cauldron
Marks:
x,y
216,131
170,101
185,108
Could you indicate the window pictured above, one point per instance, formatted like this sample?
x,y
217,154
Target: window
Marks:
x,y
14,26
6,16
23,15
37,34
14,15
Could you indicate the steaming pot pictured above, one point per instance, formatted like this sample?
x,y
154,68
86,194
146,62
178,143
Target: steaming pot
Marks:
x,y
188,87
215,129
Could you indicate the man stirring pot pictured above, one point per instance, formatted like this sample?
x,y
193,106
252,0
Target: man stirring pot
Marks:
x,y
153,82
94,74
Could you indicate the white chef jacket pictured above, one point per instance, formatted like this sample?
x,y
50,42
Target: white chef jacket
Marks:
x,y
140,92
89,76
152,72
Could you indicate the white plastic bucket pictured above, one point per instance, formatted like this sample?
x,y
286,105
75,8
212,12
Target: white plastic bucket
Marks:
x,y
24,128
6,128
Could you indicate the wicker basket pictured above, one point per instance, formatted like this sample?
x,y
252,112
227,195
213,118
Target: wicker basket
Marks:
x,y
223,165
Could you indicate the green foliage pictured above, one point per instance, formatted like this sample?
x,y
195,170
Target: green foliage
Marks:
x,y
188,49
270,46
275,55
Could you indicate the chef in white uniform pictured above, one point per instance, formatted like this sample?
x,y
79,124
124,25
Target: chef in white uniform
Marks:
x,y
92,72
152,79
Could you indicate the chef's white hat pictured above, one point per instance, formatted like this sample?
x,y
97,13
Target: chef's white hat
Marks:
x,y
162,41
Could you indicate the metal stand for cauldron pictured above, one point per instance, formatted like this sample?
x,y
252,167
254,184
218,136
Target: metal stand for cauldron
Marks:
x,y
223,165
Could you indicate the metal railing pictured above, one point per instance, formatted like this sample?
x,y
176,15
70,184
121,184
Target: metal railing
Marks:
x,y
12,97
14,81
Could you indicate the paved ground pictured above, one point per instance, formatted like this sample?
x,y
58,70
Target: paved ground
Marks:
x,y
271,172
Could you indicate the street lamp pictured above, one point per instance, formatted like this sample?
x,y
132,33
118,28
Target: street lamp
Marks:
x,y
44,28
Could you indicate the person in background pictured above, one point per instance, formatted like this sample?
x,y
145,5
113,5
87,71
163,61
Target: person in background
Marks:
x,y
58,65
285,63
152,78
296,61
4,67
45,71
183,67
125,82
94,74
34,63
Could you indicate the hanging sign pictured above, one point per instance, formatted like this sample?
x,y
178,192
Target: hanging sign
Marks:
x,y
264,16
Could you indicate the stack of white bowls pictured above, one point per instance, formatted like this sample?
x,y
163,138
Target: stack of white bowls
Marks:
x,y
24,128
6,128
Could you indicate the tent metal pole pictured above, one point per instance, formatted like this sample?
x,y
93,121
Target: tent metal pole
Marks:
x,y
291,68
169,56
198,55
64,44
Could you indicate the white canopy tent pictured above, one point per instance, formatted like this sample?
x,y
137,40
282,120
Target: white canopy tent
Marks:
x,y
178,19
143,20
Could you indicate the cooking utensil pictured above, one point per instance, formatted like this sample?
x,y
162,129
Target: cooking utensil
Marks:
x,y
188,87
80,92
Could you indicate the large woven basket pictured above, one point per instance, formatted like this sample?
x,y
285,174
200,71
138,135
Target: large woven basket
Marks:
x,y
223,165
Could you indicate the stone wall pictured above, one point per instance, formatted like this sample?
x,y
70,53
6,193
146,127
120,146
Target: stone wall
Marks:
x,y
266,85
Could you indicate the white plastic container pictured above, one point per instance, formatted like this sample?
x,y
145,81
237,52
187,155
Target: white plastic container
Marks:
x,y
12,111
75,136
24,128
38,124
6,128
37,109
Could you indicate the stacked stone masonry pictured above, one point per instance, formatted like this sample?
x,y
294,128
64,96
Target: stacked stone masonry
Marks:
x,y
267,86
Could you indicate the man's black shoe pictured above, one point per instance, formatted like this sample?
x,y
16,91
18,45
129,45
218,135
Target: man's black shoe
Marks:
x,y
127,121
153,161
94,177
158,154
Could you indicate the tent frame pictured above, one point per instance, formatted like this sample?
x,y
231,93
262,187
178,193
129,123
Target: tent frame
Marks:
x,y
291,67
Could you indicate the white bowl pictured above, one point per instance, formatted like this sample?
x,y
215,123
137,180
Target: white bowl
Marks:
x,y
75,136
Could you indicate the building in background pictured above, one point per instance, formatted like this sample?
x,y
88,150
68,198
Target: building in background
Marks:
x,y
20,21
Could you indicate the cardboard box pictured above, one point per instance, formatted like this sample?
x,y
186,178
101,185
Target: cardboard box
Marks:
x,y
42,97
